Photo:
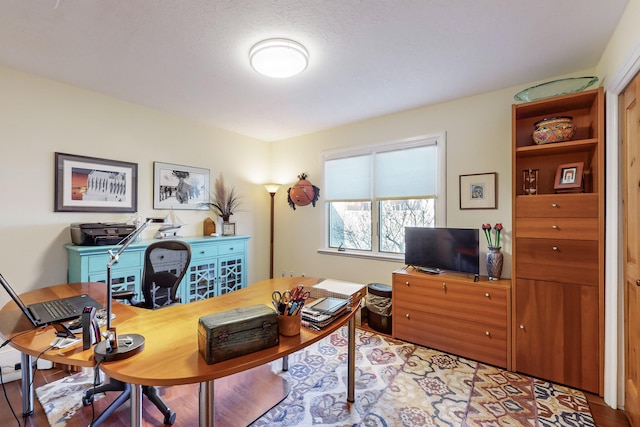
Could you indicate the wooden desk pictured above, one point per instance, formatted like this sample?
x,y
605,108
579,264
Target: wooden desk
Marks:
x,y
170,356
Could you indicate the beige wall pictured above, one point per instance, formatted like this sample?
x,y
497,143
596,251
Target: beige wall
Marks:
x,y
478,130
39,117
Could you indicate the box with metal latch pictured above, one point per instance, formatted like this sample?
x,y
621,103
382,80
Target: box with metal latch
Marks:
x,y
236,332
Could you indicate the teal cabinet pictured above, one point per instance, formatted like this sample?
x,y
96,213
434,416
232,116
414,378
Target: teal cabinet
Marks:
x,y
218,266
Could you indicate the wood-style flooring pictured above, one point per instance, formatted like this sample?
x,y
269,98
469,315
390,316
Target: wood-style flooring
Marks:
x,y
183,400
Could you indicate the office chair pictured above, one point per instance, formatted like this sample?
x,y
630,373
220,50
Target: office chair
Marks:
x,y
165,264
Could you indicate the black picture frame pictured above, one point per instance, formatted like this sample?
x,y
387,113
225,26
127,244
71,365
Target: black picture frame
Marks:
x,y
478,191
92,184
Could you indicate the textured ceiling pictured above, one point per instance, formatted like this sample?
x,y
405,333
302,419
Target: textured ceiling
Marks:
x,y
367,57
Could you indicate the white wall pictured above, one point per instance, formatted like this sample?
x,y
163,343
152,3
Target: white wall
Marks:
x,y
39,117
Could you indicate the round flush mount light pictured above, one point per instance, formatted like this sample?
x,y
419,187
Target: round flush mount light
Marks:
x,y
279,58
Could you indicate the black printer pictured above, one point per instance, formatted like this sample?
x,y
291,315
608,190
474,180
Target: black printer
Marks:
x,y
100,233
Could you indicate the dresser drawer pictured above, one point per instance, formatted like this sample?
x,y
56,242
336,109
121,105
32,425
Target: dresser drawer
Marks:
x,y
474,303
472,340
558,228
558,205
567,261
230,248
98,263
203,251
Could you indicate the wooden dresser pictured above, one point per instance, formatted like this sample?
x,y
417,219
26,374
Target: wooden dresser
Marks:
x,y
558,246
452,313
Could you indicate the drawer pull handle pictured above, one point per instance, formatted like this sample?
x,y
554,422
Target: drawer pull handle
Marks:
x,y
487,333
522,327
231,248
406,283
555,227
638,282
444,286
554,205
488,295
201,252
407,316
555,248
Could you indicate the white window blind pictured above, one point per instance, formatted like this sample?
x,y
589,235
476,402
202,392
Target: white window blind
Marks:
x,y
401,170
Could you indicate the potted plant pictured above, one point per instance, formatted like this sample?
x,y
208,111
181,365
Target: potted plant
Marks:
x,y
224,201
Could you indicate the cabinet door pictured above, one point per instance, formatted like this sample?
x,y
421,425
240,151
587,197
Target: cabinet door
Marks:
x,y
200,280
231,273
556,333
121,280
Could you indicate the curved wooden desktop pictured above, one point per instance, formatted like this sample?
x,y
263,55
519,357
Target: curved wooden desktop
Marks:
x,y
170,355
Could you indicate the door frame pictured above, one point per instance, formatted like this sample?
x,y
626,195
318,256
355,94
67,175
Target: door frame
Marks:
x,y
614,287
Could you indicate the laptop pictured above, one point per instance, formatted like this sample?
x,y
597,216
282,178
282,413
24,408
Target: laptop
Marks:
x,y
54,311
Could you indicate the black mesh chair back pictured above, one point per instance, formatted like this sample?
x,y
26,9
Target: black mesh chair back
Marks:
x,y
165,264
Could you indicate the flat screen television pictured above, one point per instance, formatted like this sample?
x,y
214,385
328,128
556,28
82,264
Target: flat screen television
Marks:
x,y
434,250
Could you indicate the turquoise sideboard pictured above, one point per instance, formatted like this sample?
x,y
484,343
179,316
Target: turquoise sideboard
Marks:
x,y
218,265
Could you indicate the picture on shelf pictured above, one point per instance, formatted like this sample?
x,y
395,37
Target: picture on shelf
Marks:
x,y
569,177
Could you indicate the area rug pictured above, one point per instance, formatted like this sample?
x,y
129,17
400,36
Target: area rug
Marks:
x,y
397,384
401,384
62,398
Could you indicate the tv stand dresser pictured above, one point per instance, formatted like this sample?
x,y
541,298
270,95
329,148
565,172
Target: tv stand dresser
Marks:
x,y
453,312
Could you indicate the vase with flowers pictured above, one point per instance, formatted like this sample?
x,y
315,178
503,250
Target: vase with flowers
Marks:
x,y
224,201
494,258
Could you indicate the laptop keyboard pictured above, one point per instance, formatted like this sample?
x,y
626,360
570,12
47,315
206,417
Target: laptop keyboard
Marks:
x,y
59,309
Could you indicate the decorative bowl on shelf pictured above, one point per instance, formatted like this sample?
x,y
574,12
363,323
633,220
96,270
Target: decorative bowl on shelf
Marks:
x,y
553,129
555,88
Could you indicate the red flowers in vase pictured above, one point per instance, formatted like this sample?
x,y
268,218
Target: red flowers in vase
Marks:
x,y
492,241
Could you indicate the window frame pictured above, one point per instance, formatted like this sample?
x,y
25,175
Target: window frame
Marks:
x,y
437,139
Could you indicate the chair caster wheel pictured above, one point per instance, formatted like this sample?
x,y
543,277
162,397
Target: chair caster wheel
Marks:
x,y
170,418
86,401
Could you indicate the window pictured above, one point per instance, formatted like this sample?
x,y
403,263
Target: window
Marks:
x,y
373,192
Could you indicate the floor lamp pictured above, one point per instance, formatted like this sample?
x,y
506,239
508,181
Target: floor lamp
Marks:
x,y
272,189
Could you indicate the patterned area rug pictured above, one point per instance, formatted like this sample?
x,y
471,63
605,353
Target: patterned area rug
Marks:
x,y
401,384
61,399
397,384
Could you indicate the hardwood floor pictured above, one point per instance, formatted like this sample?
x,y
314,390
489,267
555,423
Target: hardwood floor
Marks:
x,y
184,400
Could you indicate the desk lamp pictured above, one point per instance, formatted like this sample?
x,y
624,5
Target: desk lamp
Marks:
x,y
109,349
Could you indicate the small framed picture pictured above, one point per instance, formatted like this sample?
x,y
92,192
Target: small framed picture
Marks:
x,y
478,191
569,177
228,228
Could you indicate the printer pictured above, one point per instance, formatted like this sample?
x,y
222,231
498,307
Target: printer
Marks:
x,y
100,233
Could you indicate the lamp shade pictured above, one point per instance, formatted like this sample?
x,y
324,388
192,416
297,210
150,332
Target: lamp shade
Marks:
x,y
272,188
278,58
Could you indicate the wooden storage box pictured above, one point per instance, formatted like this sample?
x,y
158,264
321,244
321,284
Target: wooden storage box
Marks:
x,y
236,332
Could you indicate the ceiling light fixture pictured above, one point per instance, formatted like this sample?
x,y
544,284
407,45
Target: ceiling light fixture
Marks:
x,y
279,58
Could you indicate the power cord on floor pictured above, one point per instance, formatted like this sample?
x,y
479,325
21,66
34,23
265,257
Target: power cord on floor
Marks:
x,y
4,388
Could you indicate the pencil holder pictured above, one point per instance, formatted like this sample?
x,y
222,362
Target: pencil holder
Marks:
x,y
289,326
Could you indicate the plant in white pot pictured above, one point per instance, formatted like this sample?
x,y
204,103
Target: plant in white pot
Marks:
x,y
224,202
